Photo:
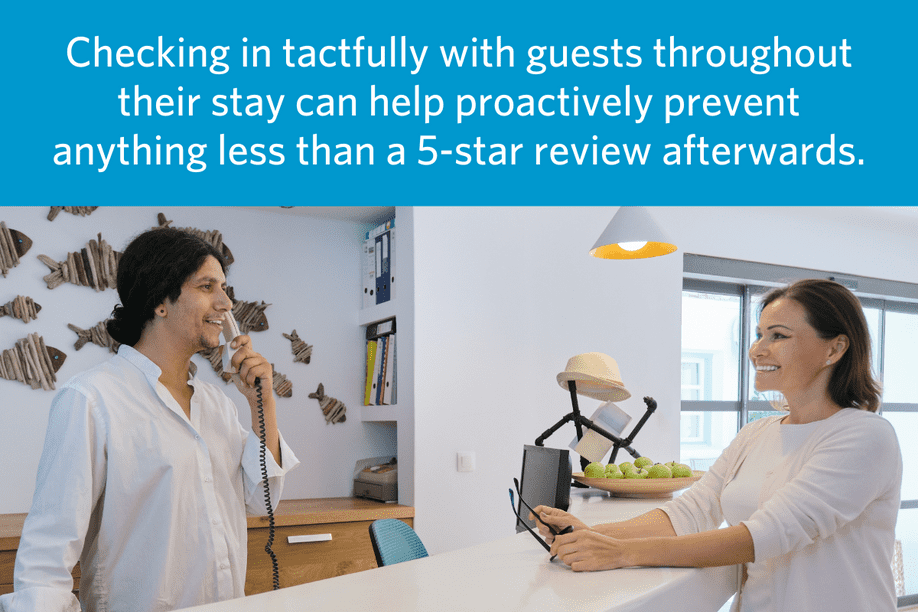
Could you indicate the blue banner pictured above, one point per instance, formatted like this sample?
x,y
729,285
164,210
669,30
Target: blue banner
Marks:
x,y
664,103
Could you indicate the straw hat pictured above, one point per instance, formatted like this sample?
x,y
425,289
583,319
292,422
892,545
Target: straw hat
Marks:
x,y
596,375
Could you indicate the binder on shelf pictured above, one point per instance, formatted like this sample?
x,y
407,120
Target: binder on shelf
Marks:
x,y
394,371
382,268
369,262
379,229
371,368
381,336
374,389
369,273
381,380
389,381
381,328
392,264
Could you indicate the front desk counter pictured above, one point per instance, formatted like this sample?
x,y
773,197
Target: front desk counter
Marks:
x,y
511,573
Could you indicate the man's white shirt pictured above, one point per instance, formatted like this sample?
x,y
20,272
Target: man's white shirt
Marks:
x,y
153,504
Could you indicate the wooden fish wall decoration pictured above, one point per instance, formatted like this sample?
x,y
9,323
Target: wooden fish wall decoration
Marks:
x,y
13,245
334,410
98,335
95,265
21,308
282,386
212,237
82,211
301,351
32,363
250,316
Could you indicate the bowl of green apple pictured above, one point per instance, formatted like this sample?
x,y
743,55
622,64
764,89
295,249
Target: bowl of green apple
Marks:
x,y
642,478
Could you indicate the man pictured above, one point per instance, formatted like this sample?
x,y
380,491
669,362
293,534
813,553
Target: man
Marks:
x,y
146,473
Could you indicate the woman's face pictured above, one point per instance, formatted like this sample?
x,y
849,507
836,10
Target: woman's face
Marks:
x,y
788,354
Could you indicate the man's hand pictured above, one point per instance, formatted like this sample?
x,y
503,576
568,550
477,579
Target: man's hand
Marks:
x,y
250,365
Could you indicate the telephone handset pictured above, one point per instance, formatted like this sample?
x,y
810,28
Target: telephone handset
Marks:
x,y
230,333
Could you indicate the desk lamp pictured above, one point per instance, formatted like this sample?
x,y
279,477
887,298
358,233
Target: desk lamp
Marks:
x,y
631,234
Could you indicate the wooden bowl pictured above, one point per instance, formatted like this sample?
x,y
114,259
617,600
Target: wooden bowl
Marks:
x,y
640,487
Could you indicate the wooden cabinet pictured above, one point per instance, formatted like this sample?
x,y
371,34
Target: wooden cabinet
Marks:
x,y
346,519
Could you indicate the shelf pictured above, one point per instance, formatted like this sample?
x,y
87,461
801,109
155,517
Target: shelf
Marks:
x,y
373,314
379,413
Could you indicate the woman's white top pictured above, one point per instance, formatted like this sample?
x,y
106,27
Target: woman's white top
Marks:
x,y
740,497
825,513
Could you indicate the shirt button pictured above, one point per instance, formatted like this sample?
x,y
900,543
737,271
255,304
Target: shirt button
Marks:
x,y
223,566
214,521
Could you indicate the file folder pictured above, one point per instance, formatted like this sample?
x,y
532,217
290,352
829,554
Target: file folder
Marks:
x,y
371,369
381,376
389,378
382,268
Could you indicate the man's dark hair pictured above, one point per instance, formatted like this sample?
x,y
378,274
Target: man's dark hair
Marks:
x,y
153,267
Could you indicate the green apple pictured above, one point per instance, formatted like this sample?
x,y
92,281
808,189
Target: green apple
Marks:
x,y
614,474
670,464
612,468
626,466
643,462
638,474
680,470
659,470
594,470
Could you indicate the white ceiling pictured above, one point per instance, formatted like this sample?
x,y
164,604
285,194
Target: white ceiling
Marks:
x,y
898,219
356,214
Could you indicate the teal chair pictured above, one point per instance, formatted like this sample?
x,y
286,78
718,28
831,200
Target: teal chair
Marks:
x,y
394,542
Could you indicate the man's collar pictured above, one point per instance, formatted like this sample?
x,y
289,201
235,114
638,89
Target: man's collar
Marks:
x,y
140,361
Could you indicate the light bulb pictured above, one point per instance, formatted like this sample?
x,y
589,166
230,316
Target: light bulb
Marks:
x,y
632,246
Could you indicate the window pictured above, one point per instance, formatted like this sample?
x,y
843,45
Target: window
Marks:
x,y
693,387
720,301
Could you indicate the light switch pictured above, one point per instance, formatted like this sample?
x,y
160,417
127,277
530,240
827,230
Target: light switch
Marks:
x,y
465,462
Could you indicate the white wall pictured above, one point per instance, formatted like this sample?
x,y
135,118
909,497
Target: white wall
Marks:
x,y
505,296
308,269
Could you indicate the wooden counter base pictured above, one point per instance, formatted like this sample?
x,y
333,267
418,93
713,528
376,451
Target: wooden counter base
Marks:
x,y
347,519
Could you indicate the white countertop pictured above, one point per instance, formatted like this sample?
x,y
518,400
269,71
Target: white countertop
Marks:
x,y
511,573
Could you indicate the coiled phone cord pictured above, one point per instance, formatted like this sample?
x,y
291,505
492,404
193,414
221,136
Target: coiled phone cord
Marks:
x,y
264,476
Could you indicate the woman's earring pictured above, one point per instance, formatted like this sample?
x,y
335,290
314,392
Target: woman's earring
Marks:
x,y
828,362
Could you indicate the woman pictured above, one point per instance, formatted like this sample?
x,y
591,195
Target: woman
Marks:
x,y
810,497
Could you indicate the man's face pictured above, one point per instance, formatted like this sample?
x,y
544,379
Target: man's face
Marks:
x,y
196,317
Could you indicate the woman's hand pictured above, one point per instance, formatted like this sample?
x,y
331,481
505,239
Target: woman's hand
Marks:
x,y
585,550
559,519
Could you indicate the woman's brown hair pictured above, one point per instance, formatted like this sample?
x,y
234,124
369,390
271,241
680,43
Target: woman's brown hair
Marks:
x,y
833,310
